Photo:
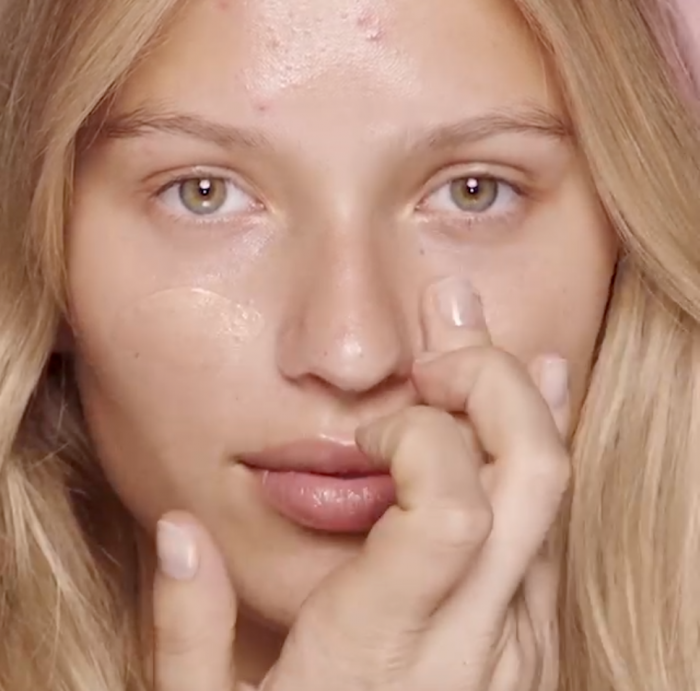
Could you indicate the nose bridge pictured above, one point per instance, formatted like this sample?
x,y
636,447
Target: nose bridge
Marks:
x,y
347,323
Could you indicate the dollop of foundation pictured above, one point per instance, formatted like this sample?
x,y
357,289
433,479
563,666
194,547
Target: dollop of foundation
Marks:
x,y
190,328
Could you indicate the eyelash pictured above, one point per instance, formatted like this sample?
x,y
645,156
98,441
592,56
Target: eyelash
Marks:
x,y
189,217
458,215
462,216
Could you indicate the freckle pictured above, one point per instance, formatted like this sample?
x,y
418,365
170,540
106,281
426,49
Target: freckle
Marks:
x,y
223,4
273,43
262,106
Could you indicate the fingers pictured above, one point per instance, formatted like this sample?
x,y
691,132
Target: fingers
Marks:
x,y
545,372
515,426
453,317
421,547
194,610
519,426
540,597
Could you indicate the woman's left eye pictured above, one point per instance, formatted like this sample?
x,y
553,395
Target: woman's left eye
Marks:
x,y
474,194
206,196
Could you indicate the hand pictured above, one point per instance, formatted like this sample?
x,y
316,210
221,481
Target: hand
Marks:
x,y
455,588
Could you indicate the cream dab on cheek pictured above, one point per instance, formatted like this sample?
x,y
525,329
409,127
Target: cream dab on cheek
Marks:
x,y
186,328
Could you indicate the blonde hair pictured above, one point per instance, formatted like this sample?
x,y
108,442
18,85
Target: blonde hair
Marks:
x,y
630,601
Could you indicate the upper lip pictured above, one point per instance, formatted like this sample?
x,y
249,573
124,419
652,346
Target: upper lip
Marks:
x,y
319,456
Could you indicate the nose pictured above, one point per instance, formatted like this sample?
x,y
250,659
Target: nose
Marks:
x,y
348,324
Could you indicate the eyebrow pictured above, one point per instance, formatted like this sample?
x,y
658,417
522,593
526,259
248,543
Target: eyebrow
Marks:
x,y
528,119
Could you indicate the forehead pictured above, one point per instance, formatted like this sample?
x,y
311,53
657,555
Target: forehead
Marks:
x,y
390,61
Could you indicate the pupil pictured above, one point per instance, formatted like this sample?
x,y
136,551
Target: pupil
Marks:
x,y
473,187
205,187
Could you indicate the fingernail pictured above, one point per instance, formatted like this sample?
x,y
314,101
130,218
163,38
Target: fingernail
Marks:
x,y
554,381
177,551
457,303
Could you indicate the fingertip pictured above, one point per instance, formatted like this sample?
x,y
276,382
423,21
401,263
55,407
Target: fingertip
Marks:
x,y
452,315
186,550
177,548
369,439
554,381
552,376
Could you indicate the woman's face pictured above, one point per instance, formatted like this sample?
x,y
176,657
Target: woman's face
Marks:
x,y
277,185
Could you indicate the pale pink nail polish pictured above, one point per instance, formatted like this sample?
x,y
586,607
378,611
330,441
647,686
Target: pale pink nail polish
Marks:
x,y
177,551
554,381
457,303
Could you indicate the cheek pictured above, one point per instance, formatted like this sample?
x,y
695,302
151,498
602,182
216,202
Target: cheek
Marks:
x,y
552,309
184,330
159,381
177,340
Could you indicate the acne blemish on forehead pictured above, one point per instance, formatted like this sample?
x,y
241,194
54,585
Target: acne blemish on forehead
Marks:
x,y
371,25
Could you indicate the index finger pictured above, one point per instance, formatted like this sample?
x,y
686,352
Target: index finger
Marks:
x,y
516,427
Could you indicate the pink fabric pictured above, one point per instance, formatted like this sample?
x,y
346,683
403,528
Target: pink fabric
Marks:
x,y
689,23
690,13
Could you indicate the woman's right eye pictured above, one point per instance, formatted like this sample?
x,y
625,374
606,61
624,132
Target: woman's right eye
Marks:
x,y
206,197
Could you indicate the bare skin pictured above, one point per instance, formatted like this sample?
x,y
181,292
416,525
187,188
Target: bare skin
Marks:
x,y
252,237
454,587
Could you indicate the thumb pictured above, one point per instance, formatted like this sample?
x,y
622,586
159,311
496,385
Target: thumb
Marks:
x,y
194,610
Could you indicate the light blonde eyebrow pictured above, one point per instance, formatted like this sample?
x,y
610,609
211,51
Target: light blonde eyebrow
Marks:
x,y
144,122
530,120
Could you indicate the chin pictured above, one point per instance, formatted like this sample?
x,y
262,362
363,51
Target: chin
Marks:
x,y
275,573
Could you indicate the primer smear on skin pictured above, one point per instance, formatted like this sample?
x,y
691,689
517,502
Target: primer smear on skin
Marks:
x,y
187,328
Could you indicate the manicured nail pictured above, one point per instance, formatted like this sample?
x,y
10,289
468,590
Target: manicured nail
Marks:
x,y
457,302
177,551
554,381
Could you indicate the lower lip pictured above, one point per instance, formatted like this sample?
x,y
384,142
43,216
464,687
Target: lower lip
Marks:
x,y
328,503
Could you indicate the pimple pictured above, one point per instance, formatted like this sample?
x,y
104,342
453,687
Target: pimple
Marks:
x,y
375,34
366,18
371,25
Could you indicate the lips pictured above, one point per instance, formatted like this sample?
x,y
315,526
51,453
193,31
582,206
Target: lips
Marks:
x,y
323,485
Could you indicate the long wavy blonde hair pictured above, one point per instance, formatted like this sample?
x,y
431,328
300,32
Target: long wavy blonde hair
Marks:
x,y
630,600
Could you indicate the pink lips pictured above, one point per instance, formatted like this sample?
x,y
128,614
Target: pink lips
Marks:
x,y
323,485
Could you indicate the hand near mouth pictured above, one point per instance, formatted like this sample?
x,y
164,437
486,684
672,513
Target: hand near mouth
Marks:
x,y
455,587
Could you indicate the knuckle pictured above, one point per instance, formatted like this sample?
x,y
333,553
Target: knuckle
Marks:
x,y
552,473
417,428
420,416
498,371
503,365
461,529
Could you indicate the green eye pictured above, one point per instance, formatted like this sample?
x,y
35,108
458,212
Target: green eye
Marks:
x,y
474,193
203,196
